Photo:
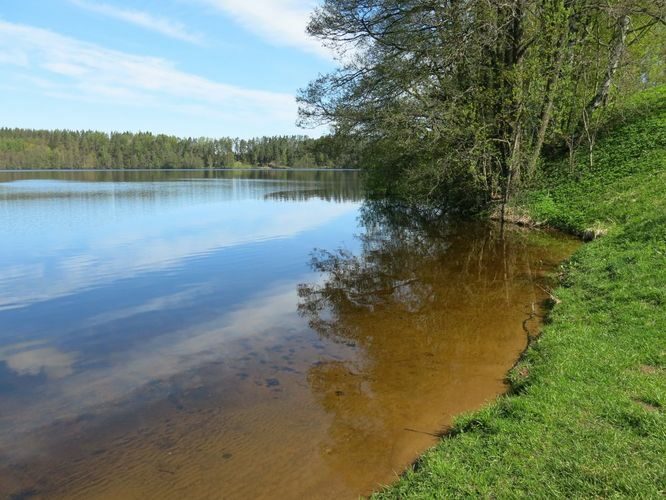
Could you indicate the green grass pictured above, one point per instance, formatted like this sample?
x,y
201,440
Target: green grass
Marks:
x,y
586,416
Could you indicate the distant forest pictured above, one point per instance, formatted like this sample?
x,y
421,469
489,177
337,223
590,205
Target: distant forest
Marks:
x,y
59,149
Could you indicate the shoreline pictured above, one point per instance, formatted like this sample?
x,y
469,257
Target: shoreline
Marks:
x,y
584,415
225,169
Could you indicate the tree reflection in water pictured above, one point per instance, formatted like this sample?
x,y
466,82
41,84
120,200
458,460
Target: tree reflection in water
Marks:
x,y
432,313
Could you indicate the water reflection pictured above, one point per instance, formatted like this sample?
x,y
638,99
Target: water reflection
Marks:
x,y
407,257
162,336
431,312
62,237
193,184
106,286
33,359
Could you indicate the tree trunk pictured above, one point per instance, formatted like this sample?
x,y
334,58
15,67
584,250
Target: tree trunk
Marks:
x,y
617,49
551,86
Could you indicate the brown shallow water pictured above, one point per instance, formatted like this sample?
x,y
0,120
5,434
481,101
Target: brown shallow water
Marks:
x,y
325,384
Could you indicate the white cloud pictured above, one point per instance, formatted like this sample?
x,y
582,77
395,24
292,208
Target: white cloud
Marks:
x,y
143,19
15,57
71,393
156,241
281,22
89,72
54,363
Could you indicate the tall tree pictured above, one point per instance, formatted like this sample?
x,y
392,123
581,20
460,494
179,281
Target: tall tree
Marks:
x,y
455,99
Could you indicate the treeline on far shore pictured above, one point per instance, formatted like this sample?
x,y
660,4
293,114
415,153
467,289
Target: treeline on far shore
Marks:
x,y
60,149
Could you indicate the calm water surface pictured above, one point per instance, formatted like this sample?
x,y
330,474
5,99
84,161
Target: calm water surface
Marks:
x,y
243,334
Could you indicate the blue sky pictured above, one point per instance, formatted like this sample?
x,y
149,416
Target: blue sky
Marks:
x,y
185,67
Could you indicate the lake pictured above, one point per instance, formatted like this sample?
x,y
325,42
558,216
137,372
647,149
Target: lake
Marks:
x,y
244,334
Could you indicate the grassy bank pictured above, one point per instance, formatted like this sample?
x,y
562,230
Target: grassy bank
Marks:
x,y
586,416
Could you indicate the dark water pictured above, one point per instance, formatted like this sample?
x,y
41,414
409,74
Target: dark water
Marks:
x,y
243,334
